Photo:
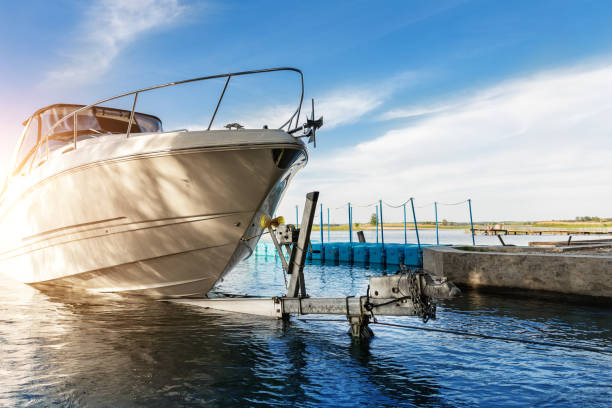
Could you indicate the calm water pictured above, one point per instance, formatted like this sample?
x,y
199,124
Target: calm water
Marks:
x,y
58,349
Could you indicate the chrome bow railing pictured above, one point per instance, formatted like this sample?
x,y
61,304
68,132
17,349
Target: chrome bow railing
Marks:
x,y
74,115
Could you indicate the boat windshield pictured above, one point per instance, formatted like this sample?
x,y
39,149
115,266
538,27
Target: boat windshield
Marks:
x,y
94,121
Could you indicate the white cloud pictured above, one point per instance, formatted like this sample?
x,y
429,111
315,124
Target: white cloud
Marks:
x,y
536,147
413,112
340,106
111,25
348,105
337,107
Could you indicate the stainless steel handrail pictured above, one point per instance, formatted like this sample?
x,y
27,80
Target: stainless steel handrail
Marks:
x,y
75,113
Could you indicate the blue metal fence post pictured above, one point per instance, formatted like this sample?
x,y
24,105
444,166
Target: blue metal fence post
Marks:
x,y
351,213
382,226
416,228
437,236
321,224
328,240
471,222
350,219
297,218
377,224
405,229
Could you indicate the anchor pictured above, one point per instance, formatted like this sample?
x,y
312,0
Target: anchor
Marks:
x,y
408,292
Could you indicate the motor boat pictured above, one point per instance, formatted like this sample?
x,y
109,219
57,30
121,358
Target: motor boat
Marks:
x,y
103,199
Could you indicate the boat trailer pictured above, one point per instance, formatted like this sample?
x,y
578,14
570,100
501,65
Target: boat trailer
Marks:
x,y
409,292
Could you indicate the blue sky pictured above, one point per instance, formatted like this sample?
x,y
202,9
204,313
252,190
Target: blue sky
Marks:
x,y
504,102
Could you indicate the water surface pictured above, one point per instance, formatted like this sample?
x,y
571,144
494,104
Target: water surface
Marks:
x,y
60,349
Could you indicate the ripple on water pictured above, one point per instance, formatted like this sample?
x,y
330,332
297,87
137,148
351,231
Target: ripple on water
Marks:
x,y
70,349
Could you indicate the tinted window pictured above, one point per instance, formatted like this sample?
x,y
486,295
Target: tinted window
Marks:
x,y
92,123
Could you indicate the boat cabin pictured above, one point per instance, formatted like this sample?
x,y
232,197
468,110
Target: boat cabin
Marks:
x,y
91,123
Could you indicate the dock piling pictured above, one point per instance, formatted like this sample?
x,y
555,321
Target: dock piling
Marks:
x,y
436,212
382,228
350,217
321,225
405,228
328,238
416,227
471,222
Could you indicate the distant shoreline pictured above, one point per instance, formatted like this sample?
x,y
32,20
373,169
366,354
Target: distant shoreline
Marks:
x,y
531,225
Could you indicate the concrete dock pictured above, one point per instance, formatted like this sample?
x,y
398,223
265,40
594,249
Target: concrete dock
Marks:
x,y
559,272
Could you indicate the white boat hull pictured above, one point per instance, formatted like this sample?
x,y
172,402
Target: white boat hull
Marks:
x,y
166,219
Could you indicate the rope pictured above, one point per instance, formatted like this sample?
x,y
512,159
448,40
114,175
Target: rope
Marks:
x,y
354,205
460,202
486,336
322,320
396,206
254,236
364,206
399,205
482,336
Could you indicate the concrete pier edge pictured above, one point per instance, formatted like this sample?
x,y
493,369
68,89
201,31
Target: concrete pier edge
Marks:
x,y
523,271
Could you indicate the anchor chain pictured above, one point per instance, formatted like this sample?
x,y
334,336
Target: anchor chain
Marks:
x,y
424,306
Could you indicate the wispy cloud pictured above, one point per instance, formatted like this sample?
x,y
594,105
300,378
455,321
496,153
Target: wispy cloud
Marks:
x,y
349,104
111,25
339,106
413,112
536,147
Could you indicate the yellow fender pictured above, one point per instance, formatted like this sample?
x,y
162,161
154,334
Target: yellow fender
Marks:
x,y
267,222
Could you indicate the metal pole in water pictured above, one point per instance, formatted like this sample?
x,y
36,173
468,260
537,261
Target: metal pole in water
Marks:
x,y
351,221
416,228
405,229
328,240
382,228
437,236
350,225
471,222
297,218
321,225
377,224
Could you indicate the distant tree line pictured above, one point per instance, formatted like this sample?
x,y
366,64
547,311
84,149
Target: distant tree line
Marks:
x,y
597,219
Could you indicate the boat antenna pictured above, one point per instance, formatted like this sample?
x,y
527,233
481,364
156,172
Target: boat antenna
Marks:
x,y
309,129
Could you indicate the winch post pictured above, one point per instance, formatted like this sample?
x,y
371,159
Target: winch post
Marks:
x,y
300,249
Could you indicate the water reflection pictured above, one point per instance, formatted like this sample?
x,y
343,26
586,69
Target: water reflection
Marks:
x,y
70,348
